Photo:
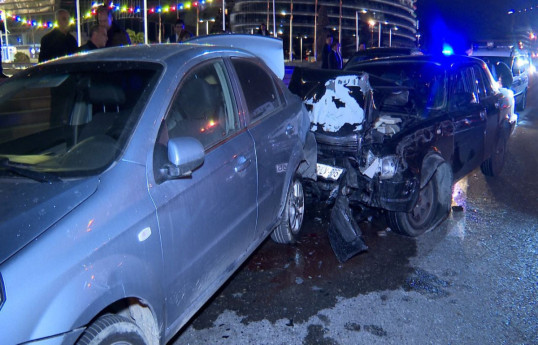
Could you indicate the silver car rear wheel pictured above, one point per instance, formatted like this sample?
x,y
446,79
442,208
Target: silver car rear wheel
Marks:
x,y
292,219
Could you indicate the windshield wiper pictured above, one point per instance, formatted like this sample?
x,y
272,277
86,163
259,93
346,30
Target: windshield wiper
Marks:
x,y
25,171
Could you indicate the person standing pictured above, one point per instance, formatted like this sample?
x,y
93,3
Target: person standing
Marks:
x,y
180,34
98,38
59,42
327,50
116,35
335,58
263,30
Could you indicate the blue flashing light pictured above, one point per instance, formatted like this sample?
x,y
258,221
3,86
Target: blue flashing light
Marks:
x,y
447,49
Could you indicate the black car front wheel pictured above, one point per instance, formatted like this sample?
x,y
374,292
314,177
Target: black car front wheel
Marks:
x,y
112,329
292,219
432,206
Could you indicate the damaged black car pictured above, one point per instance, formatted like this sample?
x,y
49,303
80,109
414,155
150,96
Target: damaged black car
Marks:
x,y
395,134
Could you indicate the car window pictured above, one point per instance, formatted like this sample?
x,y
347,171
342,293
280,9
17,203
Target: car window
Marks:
x,y
262,95
203,107
520,65
462,86
479,82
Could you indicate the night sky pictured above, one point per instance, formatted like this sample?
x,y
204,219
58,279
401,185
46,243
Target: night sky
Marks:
x,y
461,22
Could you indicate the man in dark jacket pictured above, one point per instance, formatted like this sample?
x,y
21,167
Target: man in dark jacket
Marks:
x,y
116,35
98,38
59,42
327,50
180,34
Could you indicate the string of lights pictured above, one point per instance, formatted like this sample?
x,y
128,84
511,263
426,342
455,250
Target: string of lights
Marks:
x,y
120,8
524,10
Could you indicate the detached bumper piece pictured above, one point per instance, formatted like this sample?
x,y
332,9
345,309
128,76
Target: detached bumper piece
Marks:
x,y
345,235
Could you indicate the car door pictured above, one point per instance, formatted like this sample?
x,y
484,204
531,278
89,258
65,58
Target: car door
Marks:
x,y
490,101
469,117
205,219
274,128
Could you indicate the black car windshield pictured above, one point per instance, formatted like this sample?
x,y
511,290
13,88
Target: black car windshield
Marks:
x,y
417,86
73,119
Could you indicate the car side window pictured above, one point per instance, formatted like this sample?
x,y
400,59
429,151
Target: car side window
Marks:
x,y
462,88
479,82
520,65
203,106
261,93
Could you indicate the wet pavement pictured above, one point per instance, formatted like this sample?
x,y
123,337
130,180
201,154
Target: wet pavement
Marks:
x,y
473,280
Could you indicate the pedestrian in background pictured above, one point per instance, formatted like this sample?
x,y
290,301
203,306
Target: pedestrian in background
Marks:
x,y
98,38
116,35
180,34
326,51
59,42
263,30
335,57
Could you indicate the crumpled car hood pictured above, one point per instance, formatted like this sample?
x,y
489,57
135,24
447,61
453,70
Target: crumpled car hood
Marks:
x,y
30,208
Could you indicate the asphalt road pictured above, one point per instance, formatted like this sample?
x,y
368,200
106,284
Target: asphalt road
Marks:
x,y
473,280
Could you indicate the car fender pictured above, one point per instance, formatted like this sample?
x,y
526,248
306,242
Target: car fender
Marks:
x,y
430,163
97,292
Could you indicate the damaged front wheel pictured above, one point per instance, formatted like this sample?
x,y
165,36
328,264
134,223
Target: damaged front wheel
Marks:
x,y
432,207
292,218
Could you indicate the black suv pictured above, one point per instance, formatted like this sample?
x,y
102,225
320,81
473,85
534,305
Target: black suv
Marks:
x,y
395,134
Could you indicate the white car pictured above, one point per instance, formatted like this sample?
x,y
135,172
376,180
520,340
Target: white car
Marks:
x,y
517,61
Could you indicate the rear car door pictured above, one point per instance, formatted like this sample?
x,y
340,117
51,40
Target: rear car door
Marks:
x,y
469,117
206,219
275,129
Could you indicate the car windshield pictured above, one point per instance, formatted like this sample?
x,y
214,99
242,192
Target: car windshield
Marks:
x,y
71,120
409,87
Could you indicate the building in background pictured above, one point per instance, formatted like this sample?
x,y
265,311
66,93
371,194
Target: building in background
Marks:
x,y
376,22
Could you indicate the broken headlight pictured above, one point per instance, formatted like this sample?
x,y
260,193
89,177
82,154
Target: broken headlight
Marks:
x,y
384,166
388,167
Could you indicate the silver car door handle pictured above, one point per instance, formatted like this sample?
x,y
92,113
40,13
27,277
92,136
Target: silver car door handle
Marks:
x,y
242,164
289,130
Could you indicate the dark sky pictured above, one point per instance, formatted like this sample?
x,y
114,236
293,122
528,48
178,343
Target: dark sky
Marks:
x,y
460,22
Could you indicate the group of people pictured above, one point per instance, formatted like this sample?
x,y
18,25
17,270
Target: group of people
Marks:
x,y
331,57
60,42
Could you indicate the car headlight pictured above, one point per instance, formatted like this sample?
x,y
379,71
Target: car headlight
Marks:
x,y
388,167
2,292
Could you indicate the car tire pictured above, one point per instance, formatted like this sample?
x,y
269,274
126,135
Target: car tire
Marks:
x,y
112,329
522,104
494,164
292,218
433,206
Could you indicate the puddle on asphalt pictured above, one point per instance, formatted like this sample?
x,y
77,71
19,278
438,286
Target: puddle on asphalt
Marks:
x,y
294,282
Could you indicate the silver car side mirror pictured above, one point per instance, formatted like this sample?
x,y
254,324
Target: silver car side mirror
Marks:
x,y
185,154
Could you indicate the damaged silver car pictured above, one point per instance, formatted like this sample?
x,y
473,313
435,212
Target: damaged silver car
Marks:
x,y
395,134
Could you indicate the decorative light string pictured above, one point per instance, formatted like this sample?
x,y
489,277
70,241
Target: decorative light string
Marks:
x,y
124,9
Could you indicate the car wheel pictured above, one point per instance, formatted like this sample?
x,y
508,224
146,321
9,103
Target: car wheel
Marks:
x,y
292,218
522,104
112,329
494,164
432,206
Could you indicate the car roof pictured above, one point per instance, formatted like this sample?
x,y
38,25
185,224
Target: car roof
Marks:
x,y
168,53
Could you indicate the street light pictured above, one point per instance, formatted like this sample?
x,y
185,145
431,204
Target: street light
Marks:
x,y
390,35
371,22
356,31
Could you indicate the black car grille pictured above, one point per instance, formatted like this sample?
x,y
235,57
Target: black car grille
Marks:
x,y
330,145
